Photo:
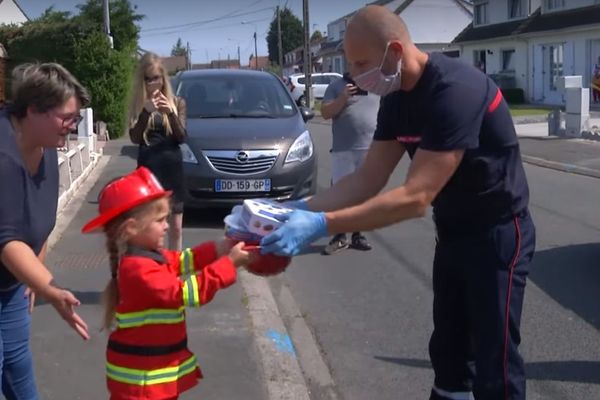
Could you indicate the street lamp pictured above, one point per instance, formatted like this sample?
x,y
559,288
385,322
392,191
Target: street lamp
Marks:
x,y
255,47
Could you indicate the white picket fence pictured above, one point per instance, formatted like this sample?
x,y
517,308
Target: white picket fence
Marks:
x,y
77,160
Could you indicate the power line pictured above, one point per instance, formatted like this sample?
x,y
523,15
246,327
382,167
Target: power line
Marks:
x,y
197,23
199,29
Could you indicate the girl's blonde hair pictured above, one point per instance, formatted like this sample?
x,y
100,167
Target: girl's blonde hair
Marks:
x,y
140,95
116,244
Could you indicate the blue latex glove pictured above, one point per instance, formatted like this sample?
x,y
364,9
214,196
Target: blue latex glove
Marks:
x,y
298,204
300,229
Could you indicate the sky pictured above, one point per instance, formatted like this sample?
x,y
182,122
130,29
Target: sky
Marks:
x,y
166,21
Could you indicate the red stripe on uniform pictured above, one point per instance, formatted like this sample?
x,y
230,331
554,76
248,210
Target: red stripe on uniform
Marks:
x,y
496,102
513,264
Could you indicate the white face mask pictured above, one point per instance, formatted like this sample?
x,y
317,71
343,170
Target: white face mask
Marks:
x,y
375,81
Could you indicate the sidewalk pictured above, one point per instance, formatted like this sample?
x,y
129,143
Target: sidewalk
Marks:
x,y
221,333
578,156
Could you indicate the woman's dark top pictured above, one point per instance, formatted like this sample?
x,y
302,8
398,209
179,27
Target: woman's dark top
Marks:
x,y
160,152
27,202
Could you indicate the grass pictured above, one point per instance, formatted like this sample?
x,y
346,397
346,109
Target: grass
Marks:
x,y
525,110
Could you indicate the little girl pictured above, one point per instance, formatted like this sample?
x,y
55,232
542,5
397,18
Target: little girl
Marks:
x,y
147,355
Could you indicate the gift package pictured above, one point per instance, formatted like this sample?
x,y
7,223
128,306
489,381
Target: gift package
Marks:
x,y
249,223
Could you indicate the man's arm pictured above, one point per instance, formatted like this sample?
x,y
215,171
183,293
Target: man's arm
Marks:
x,y
368,180
428,174
334,102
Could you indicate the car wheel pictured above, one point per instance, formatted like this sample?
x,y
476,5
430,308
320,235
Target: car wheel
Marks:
x,y
302,101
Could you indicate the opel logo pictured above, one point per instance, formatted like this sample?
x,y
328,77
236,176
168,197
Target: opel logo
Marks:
x,y
242,157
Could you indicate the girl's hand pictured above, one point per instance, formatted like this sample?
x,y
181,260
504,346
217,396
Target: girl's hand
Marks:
x,y
239,256
224,246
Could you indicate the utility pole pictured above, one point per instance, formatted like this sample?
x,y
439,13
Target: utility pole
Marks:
x,y
188,56
255,51
239,58
279,46
307,55
106,14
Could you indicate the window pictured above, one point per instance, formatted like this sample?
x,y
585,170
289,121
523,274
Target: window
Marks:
x,y
515,9
481,14
556,54
479,59
554,4
508,60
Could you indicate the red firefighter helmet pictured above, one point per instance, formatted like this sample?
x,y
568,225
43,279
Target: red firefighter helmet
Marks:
x,y
123,194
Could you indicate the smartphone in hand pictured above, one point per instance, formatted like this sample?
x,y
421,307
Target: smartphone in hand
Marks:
x,y
359,91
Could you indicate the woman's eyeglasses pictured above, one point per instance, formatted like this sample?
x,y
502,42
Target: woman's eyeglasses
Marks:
x,y
150,79
69,120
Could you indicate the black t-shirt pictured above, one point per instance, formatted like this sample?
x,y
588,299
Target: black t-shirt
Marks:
x,y
27,203
455,106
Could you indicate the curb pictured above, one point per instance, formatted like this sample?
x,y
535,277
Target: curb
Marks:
x,y
283,376
568,168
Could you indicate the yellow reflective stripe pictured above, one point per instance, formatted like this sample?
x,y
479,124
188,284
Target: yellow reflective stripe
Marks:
x,y
152,316
151,377
186,262
191,294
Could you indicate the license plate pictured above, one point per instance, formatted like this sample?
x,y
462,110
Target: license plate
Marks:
x,y
242,185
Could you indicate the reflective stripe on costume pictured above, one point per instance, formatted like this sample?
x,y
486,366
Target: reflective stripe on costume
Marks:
x,y
151,377
153,316
186,262
191,294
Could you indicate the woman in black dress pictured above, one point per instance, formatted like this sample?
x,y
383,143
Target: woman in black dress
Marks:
x,y
157,124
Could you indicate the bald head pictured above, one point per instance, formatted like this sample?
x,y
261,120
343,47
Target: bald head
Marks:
x,y
377,25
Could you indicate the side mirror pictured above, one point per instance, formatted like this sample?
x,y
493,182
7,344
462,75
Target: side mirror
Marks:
x,y
307,114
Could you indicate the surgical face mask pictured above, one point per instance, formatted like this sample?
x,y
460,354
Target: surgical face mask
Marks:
x,y
375,81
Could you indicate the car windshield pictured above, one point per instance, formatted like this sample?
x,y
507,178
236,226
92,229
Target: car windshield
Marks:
x,y
235,97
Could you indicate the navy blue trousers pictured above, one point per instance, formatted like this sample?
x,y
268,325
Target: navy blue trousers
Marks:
x,y
479,281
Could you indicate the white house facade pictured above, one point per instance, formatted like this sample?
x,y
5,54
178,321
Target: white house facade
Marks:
x,y
11,13
432,24
529,44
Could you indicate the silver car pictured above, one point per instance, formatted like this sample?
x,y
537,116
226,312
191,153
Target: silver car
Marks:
x,y
246,139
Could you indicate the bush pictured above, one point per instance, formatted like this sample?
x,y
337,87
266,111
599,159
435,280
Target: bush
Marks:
x,y
514,96
105,72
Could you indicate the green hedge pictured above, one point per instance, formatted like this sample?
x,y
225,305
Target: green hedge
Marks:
x,y
105,72
514,96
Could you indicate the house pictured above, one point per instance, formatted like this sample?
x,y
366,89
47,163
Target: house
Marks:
x,y
261,61
11,13
529,44
293,61
433,25
225,64
174,64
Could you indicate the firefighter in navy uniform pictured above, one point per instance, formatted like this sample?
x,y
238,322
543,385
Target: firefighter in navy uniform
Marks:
x,y
465,162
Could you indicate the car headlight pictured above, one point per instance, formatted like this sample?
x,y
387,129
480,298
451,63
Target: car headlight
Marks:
x,y
188,154
301,150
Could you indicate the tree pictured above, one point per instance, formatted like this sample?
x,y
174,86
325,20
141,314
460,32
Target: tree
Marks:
x,y
51,16
123,29
178,49
292,35
316,36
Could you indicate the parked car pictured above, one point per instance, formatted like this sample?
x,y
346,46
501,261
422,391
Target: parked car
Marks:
x,y
319,81
246,139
